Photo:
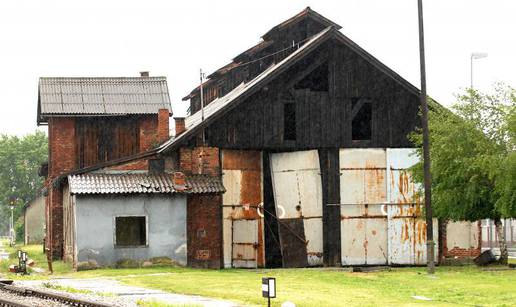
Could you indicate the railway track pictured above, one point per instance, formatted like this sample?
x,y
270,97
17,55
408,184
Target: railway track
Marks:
x,y
25,295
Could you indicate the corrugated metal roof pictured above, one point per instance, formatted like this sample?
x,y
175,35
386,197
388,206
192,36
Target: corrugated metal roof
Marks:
x,y
102,183
103,96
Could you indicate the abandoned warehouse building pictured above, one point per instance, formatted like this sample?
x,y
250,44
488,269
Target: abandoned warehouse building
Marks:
x,y
299,157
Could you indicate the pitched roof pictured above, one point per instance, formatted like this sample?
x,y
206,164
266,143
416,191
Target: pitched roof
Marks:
x,y
101,96
108,183
219,106
307,12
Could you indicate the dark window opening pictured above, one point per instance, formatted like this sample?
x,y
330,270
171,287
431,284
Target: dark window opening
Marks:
x,y
130,231
289,121
361,124
316,81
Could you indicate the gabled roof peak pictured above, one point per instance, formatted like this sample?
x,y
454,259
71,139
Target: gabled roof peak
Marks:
x,y
306,13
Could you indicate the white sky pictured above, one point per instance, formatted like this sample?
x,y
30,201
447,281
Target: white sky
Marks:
x,y
176,38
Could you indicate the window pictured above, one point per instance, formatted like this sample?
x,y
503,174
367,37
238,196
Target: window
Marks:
x,y
130,231
289,121
362,115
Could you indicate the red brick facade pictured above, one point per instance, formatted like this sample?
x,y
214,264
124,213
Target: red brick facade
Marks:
x,y
200,160
163,125
204,231
62,158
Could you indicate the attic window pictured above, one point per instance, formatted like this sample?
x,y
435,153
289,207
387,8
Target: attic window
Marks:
x,y
362,116
130,231
289,121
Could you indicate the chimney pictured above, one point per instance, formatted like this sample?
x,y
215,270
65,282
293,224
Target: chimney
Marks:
x,y
179,181
180,125
163,125
144,74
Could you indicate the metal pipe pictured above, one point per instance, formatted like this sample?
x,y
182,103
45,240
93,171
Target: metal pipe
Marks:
x,y
426,147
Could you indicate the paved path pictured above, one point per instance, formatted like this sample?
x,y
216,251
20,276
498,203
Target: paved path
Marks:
x,y
103,285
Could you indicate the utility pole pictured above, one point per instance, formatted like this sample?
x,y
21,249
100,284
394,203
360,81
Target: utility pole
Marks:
x,y
426,147
201,77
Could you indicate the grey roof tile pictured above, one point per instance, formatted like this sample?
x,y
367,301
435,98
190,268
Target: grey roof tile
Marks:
x,y
103,183
102,96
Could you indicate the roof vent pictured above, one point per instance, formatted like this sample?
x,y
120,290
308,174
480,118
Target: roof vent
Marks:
x,y
144,74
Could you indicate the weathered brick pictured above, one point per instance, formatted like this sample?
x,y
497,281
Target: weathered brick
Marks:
x,y
204,228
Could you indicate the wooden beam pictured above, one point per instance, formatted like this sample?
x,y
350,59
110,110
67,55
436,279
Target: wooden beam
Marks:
x,y
358,106
313,66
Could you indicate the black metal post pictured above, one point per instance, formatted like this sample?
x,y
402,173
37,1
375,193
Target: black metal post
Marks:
x,y
426,148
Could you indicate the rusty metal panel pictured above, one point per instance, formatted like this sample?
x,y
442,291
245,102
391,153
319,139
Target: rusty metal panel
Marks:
x,y
407,229
363,176
245,243
364,235
242,225
401,187
363,191
297,191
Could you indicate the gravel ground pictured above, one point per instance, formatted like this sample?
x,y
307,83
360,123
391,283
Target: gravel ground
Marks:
x,y
29,301
32,301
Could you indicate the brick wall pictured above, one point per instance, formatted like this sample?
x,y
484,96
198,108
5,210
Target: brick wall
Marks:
x,y
461,252
163,125
148,130
200,160
204,229
62,158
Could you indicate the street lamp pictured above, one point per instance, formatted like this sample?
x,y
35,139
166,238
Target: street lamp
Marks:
x,y
475,56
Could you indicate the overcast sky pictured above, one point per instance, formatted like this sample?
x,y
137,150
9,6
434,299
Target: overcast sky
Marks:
x,y
176,38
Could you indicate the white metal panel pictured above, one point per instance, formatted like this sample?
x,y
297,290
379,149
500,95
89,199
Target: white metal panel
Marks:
x,y
352,241
362,158
245,231
314,236
352,187
298,191
231,180
310,191
286,193
245,241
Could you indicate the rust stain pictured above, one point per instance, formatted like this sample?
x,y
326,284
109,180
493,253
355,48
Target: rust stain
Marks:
x,y
373,232
241,160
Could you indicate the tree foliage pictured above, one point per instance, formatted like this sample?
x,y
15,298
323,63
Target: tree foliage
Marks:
x,y
473,156
20,159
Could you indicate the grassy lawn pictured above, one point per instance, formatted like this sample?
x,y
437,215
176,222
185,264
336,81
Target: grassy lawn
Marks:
x,y
467,286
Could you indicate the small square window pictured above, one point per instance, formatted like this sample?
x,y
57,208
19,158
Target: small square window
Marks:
x,y
130,231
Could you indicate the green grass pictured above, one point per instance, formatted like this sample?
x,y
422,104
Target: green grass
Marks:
x,y
450,286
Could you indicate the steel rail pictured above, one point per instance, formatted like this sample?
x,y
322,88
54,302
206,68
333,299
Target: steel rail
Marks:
x,y
46,295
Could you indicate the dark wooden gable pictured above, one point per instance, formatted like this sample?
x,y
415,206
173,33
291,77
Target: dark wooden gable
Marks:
x,y
333,98
277,44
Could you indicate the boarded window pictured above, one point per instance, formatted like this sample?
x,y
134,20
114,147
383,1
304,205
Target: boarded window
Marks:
x,y
361,124
289,121
130,231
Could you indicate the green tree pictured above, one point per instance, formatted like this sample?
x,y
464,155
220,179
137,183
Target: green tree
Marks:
x,y
473,158
20,159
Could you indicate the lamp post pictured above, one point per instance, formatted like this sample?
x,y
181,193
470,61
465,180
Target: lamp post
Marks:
x,y
475,56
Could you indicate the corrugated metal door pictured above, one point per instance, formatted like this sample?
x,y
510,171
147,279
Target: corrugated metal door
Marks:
x,y
297,190
362,194
242,226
